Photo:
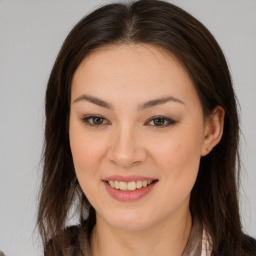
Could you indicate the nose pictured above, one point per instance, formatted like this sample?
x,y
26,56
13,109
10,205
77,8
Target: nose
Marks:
x,y
126,147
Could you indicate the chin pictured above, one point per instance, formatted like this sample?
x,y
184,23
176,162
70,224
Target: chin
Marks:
x,y
128,221
130,225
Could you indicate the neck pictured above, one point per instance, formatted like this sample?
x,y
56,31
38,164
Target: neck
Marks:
x,y
166,238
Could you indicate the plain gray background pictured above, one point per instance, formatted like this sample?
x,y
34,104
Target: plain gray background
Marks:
x,y
31,33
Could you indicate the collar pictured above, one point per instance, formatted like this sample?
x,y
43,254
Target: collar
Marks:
x,y
198,242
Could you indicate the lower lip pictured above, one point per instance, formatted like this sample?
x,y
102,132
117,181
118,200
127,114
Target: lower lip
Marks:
x,y
128,196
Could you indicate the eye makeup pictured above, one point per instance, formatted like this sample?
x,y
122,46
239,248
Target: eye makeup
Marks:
x,y
156,121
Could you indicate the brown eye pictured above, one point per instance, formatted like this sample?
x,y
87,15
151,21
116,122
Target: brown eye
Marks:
x,y
94,120
161,121
97,120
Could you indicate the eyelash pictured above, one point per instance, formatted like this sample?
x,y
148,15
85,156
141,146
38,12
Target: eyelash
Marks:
x,y
88,120
166,121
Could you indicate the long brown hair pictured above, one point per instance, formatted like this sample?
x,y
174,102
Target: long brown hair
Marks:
x,y
214,198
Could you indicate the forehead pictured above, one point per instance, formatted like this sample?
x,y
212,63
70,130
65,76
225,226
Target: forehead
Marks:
x,y
129,57
132,70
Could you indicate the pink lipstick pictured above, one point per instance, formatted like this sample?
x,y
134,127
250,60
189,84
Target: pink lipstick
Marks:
x,y
129,188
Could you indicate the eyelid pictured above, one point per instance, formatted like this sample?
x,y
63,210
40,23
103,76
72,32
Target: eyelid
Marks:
x,y
85,120
169,120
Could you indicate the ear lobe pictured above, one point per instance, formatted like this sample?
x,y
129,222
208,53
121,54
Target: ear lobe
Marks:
x,y
213,130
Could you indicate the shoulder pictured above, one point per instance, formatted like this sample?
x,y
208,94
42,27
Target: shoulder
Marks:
x,y
249,246
66,243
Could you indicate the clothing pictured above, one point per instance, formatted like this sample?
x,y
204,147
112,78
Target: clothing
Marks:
x,y
199,243
78,244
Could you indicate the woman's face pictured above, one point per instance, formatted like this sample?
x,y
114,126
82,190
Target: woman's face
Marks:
x,y
137,133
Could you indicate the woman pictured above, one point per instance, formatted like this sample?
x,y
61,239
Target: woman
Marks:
x,y
141,136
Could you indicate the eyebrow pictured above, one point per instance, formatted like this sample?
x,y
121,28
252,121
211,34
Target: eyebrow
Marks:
x,y
145,105
159,101
94,100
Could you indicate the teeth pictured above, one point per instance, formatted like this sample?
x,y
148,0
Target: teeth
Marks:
x,y
116,184
129,186
123,185
139,184
144,183
132,185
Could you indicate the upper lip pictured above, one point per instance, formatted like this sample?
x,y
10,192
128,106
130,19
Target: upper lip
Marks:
x,y
128,178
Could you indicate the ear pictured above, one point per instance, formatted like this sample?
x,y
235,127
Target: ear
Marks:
x,y
213,130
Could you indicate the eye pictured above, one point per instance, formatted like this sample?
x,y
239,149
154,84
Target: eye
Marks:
x,y
94,120
161,121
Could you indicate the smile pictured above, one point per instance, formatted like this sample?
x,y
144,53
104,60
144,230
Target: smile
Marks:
x,y
129,186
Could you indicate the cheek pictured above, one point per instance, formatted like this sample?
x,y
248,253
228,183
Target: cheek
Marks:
x,y
86,149
179,159
87,152
81,152
182,149
84,154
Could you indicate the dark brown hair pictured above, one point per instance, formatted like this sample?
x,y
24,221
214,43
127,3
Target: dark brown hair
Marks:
x,y
214,198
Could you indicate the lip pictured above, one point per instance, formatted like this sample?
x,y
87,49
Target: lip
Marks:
x,y
128,178
128,196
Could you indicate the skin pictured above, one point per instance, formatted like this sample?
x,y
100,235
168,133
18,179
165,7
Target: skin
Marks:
x,y
129,143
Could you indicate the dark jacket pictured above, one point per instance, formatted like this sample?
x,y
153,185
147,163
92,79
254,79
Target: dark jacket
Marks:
x,y
74,237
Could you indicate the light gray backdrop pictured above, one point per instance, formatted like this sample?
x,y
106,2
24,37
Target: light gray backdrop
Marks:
x,y
31,33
